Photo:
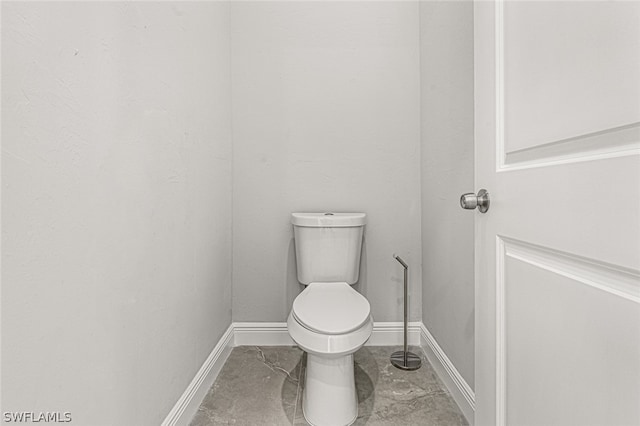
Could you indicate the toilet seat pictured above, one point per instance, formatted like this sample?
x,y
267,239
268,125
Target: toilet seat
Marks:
x,y
330,322
331,308
328,345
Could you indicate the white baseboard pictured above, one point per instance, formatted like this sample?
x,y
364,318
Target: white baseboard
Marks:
x,y
458,387
188,404
276,334
261,334
392,334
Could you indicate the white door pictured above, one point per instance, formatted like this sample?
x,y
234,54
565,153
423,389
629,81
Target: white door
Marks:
x,y
558,253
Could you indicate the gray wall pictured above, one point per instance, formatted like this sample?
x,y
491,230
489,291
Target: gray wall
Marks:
x,y
117,181
116,204
326,103
446,47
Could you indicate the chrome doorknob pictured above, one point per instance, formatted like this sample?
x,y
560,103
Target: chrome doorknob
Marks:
x,y
470,201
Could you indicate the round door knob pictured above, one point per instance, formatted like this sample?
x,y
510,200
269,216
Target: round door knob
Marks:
x,y
470,201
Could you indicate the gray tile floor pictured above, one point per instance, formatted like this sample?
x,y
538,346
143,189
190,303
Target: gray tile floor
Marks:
x,y
263,386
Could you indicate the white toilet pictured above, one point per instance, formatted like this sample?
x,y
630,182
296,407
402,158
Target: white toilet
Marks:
x,y
329,319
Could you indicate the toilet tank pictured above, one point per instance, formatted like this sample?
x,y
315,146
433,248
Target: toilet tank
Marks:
x,y
328,246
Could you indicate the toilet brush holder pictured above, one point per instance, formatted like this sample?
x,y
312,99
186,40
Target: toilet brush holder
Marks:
x,y
404,359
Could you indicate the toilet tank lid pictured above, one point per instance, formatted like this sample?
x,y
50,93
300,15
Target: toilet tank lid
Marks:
x,y
328,219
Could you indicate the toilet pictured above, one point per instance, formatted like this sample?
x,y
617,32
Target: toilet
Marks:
x,y
329,320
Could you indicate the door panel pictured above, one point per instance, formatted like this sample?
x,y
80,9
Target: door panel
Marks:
x,y
562,316
563,57
558,254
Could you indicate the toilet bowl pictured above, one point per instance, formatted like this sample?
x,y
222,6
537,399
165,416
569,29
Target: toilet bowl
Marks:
x,y
329,319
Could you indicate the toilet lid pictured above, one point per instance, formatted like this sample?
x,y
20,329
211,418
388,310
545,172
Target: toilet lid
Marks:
x,y
331,308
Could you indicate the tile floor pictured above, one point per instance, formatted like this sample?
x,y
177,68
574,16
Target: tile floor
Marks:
x,y
263,386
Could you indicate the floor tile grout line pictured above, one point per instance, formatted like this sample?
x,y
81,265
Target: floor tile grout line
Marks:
x,y
303,372
295,403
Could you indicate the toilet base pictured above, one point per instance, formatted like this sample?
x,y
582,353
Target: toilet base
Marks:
x,y
329,396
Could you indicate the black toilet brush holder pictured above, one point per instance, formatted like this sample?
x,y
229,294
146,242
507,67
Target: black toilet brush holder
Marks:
x,y
404,359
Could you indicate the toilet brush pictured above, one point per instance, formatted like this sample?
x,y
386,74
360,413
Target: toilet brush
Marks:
x,y
405,360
